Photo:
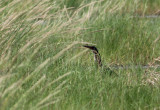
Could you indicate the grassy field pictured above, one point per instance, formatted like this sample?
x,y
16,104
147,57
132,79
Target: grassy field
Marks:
x,y
44,66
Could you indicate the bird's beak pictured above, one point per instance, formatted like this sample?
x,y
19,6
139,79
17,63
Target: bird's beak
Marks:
x,y
86,46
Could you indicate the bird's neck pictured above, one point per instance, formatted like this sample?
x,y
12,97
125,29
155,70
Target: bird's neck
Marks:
x,y
97,59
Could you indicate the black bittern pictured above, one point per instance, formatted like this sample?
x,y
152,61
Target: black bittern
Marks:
x,y
97,58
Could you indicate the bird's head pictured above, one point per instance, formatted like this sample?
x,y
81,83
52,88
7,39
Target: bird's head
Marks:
x,y
93,48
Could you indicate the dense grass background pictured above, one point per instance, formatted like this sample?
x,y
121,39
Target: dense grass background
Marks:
x,y
44,66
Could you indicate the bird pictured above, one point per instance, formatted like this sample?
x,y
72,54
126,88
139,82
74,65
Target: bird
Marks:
x,y
110,70
97,58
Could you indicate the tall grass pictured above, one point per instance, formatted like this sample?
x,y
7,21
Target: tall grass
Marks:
x,y
44,66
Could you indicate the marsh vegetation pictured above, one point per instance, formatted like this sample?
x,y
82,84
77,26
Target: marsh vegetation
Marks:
x,y
43,64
